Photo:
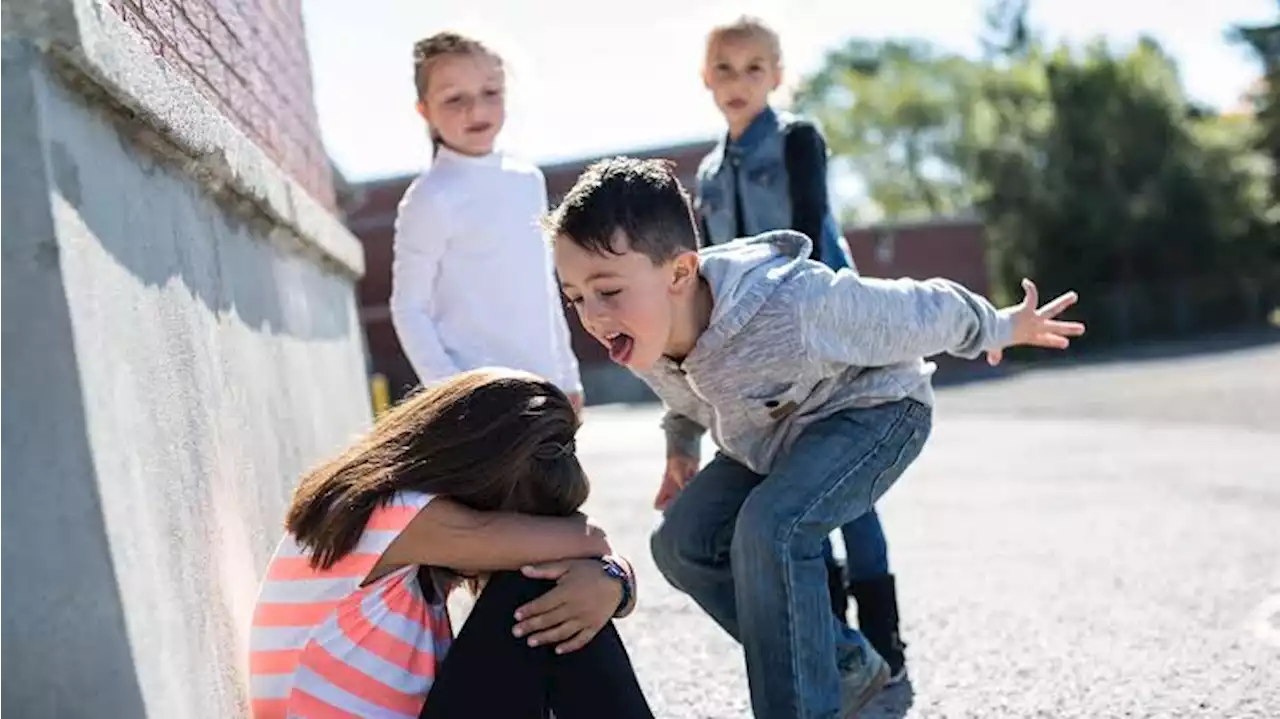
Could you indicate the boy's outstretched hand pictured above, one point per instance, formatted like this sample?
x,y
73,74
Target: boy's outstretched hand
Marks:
x,y
680,470
1036,326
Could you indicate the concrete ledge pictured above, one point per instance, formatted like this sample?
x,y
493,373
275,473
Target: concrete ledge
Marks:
x,y
95,50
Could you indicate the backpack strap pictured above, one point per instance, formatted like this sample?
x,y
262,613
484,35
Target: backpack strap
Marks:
x,y
804,154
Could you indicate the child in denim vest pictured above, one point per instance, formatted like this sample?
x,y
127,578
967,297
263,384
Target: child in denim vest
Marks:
x,y
770,173
814,388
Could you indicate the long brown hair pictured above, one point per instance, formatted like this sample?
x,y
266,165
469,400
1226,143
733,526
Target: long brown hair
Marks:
x,y
491,439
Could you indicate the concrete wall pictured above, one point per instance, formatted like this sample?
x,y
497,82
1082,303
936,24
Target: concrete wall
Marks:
x,y
180,341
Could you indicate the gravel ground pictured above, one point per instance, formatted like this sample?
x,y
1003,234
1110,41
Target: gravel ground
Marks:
x,y
1084,540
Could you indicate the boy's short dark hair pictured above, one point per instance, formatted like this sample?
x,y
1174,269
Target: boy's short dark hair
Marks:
x,y
641,198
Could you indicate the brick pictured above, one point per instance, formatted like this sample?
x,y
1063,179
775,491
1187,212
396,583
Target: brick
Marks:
x,y
119,6
218,75
235,21
220,38
197,13
156,41
136,22
160,14
190,44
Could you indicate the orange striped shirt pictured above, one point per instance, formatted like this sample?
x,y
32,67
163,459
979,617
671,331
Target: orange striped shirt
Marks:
x,y
322,645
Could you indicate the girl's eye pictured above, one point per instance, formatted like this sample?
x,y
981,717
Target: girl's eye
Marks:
x,y
453,100
492,93
611,293
574,300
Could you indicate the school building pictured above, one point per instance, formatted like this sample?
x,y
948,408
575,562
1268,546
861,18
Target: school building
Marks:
x,y
950,247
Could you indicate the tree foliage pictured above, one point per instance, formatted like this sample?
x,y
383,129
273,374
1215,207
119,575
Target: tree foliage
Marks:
x,y
1089,166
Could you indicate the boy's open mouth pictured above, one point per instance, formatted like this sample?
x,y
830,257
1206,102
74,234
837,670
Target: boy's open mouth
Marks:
x,y
620,346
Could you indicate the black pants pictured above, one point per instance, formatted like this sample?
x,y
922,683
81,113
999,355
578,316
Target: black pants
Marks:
x,y
488,672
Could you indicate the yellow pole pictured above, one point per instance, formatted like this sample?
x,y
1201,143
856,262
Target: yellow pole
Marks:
x,y
380,391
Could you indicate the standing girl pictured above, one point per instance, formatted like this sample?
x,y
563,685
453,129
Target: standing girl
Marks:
x,y
351,618
472,280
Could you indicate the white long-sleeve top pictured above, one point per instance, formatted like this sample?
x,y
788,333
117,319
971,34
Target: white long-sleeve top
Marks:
x,y
472,282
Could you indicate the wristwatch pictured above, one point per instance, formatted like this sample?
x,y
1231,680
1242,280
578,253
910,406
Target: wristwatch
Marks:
x,y
614,568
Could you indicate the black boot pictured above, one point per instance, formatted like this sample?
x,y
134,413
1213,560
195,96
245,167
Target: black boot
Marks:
x,y
878,620
835,585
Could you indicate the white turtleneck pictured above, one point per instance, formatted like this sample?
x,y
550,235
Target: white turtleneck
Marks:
x,y
473,284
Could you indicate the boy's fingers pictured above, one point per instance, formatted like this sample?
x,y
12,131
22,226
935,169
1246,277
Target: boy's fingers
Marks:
x,y
578,641
1051,341
662,500
1032,298
1058,304
1066,329
547,602
994,357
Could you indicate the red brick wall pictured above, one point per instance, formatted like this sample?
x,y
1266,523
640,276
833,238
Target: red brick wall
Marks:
x,y
954,249
249,58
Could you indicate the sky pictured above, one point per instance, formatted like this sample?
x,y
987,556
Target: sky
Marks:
x,y
587,77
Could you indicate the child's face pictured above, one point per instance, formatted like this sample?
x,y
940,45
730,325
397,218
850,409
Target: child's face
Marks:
x,y
464,103
740,73
625,301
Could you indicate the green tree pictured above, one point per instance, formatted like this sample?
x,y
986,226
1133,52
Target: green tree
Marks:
x,y
1265,41
1089,167
890,113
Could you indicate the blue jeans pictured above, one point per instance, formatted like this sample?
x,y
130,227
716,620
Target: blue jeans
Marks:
x,y
865,549
748,549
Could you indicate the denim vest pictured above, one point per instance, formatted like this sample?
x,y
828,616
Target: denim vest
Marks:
x,y
756,163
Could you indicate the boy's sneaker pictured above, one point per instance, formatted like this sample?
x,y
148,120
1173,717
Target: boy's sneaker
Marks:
x,y
859,685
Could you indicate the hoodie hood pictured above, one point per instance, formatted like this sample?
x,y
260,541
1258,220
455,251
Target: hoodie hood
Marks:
x,y
743,274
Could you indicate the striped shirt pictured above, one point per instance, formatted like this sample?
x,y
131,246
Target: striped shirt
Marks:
x,y
322,645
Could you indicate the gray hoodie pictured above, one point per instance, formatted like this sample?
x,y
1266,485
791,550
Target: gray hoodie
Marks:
x,y
791,342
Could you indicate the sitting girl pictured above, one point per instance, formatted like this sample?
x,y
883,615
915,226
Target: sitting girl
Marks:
x,y
475,477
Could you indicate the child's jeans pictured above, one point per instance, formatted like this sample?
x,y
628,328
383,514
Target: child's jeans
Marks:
x,y
748,549
865,549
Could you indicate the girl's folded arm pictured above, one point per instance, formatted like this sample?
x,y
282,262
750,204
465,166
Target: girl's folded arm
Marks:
x,y
448,534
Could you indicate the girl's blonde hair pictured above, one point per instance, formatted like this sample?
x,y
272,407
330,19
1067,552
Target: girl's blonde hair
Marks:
x,y
428,51
746,27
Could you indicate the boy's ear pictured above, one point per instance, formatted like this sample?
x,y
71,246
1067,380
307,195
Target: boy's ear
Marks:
x,y
422,110
777,76
684,270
